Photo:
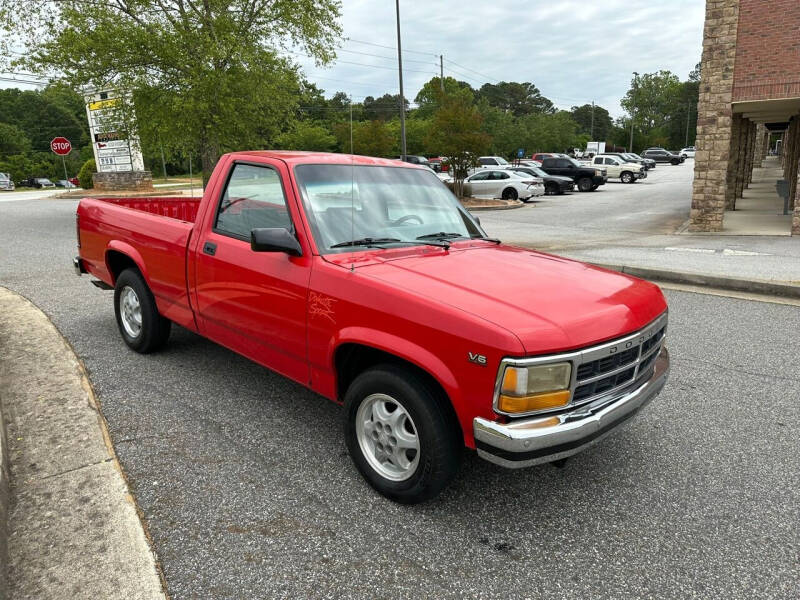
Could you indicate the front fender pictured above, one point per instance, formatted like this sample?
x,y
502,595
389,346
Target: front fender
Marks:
x,y
402,348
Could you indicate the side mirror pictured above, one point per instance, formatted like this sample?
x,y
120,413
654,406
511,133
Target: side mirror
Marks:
x,y
274,239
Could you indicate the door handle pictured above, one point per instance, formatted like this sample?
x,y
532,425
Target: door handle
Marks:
x,y
210,248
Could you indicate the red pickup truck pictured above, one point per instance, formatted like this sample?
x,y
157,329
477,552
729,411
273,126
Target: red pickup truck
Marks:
x,y
365,280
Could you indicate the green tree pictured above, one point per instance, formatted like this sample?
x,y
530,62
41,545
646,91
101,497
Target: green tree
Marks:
x,y
373,138
650,99
597,127
517,98
13,140
384,108
427,98
206,75
456,133
306,135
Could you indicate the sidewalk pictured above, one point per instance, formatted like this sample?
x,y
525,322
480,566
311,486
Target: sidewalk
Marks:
x,y
73,528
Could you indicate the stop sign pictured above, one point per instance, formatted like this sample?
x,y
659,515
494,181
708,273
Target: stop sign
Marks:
x,y
61,146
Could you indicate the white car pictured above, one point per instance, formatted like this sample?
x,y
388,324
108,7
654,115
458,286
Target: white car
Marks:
x,y
492,161
687,152
626,172
501,183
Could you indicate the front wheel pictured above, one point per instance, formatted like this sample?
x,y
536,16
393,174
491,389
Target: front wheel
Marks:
x,y
585,184
142,327
626,177
400,434
551,189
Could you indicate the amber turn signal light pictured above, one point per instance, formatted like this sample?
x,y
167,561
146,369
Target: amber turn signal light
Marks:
x,y
522,404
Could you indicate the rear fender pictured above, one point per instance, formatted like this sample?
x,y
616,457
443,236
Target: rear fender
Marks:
x,y
130,252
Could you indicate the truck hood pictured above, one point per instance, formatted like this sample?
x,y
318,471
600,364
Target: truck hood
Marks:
x,y
550,303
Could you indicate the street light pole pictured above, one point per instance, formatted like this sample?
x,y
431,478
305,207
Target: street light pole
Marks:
x,y
402,98
633,107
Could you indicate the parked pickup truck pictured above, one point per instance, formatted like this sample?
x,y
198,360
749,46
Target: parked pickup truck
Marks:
x,y
365,280
586,178
618,168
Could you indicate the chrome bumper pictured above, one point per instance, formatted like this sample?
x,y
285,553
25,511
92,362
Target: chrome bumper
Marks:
x,y
541,439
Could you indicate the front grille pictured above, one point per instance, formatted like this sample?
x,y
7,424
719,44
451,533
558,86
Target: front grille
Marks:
x,y
606,371
615,371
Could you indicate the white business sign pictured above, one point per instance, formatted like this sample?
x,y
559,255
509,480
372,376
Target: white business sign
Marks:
x,y
113,150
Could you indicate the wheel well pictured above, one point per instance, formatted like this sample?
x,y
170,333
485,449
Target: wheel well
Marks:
x,y
117,262
351,360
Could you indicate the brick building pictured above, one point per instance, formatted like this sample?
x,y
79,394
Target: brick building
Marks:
x,y
749,91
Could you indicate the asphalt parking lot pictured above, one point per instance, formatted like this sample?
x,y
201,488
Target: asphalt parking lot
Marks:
x,y
615,211
248,492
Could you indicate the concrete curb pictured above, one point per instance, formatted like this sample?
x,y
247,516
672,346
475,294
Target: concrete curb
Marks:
x,y
753,286
5,497
500,207
74,523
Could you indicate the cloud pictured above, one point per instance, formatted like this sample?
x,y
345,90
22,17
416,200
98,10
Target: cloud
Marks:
x,y
574,51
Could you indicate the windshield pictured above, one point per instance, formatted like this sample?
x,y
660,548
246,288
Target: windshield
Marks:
x,y
574,162
348,203
500,160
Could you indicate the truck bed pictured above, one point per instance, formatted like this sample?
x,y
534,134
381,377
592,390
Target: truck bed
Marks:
x,y
154,232
174,207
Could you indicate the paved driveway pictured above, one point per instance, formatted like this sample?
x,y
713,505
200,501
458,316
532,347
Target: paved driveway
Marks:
x,y
248,492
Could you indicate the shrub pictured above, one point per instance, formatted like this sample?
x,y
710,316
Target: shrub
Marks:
x,y
85,174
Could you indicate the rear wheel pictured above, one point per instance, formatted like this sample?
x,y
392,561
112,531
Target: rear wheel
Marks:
x,y
510,194
585,184
400,435
140,324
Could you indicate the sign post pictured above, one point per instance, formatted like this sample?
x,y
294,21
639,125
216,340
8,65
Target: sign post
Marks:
x,y
62,147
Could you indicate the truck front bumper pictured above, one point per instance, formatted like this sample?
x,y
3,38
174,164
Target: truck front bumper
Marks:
x,y
547,438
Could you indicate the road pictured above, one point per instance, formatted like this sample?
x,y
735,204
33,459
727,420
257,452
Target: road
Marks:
x,y
247,489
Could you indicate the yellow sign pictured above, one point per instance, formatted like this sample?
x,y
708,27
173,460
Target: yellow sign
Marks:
x,y
100,104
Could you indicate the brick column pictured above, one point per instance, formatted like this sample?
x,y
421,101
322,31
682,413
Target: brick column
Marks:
x,y
761,145
792,171
735,156
751,145
714,116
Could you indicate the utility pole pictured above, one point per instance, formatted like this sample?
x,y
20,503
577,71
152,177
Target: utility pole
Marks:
x,y
591,131
633,107
441,72
402,97
351,124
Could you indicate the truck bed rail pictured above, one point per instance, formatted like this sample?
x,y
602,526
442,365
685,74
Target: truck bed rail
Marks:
x,y
174,207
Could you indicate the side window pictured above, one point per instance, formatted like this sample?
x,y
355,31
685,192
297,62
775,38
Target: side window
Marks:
x,y
562,164
598,161
253,199
484,161
497,175
482,176
610,161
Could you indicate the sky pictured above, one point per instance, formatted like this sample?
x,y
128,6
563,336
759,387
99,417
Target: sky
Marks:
x,y
574,51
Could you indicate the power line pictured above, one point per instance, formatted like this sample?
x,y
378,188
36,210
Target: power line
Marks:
x,y
424,62
470,70
391,47
349,62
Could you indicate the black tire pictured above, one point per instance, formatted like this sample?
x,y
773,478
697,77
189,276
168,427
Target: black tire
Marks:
x,y
585,184
551,189
510,194
594,187
154,329
626,177
675,161
438,435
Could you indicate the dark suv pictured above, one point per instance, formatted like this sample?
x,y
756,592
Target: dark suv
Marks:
x,y
661,155
586,178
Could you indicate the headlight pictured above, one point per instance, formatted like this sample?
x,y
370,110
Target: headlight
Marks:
x,y
598,172
527,389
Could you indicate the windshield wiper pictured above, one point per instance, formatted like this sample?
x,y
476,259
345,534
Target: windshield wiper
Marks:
x,y
440,236
376,241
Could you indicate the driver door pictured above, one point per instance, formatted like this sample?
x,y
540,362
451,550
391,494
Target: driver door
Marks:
x,y
253,302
